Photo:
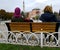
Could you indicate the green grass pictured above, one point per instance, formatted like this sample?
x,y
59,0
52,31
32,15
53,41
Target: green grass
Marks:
x,y
20,47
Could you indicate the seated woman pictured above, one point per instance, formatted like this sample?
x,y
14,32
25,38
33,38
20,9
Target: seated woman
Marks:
x,y
17,16
27,19
48,15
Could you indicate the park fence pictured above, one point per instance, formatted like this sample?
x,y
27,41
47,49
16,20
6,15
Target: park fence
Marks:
x,y
31,38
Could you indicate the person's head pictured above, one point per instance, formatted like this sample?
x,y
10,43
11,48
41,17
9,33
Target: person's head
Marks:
x,y
28,15
17,12
48,9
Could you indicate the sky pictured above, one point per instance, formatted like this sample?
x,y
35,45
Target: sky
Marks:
x,y
10,5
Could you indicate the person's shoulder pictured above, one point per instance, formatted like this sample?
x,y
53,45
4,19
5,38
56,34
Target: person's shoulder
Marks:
x,y
42,14
45,14
53,15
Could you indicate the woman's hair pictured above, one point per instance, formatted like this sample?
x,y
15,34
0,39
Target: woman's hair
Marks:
x,y
27,14
48,9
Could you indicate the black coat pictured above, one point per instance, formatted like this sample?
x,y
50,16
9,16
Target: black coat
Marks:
x,y
48,17
17,19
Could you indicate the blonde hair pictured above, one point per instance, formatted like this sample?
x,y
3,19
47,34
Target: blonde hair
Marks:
x,y
48,9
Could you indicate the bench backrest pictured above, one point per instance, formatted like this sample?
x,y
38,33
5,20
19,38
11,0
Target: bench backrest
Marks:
x,y
34,27
45,27
19,26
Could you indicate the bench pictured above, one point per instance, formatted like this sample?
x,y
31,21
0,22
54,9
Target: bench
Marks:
x,y
33,27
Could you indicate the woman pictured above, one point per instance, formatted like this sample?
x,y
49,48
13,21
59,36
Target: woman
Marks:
x,y
27,19
17,16
48,15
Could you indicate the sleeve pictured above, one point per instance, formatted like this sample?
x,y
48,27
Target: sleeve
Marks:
x,y
54,18
42,18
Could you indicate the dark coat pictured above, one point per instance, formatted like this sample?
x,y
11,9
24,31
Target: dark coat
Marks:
x,y
17,19
48,17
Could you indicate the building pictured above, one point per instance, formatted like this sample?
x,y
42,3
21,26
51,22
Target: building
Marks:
x,y
35,11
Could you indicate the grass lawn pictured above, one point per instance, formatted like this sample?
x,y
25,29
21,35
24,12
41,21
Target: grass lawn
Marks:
x,y
19,47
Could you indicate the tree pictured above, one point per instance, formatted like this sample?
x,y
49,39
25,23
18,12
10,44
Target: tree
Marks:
x,y
5,15
2,13
23,14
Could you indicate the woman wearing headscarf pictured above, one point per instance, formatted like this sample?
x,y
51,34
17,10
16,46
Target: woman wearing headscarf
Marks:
x,y
17,17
